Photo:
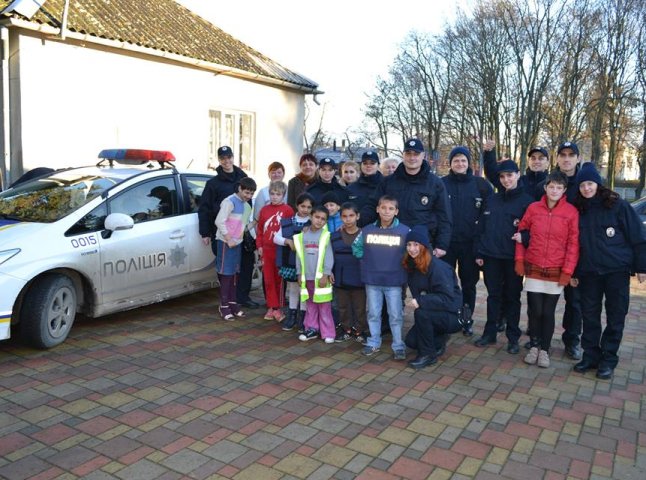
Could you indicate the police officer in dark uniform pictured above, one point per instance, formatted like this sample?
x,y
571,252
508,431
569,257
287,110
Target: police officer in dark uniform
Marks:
x,y
421,196
468,195
326,183
217,189
495,251
361,190
612,248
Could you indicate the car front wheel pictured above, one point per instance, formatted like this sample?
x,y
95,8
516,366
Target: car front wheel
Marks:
x,y
48,311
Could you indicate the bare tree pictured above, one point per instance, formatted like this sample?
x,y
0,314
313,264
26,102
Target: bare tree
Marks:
x,y
319,138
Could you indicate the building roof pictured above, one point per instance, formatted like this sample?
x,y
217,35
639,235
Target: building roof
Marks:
x,y
162,26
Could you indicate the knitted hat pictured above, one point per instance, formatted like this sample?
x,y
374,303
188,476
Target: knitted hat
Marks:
x,y
588,173
460,149
330,197
419,234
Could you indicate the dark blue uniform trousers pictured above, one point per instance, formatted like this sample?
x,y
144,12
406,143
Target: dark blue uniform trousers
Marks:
x,y
502,283
572,316
431,330
601,348
462,254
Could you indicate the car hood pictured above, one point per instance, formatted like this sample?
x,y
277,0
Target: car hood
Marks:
x,y
12,233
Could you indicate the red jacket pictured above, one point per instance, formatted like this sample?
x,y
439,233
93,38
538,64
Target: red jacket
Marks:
x,y
269,223
553,236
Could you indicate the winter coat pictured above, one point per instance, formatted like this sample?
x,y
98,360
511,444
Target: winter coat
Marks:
x,y
361,190
499,223
216,189
436,289
422,201
468,195
319,188
553,236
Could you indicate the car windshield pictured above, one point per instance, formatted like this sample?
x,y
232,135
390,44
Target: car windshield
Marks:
x,y
51,198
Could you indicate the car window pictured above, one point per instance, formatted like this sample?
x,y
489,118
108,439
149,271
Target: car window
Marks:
x,y
151,200
640,206
91,222
195,186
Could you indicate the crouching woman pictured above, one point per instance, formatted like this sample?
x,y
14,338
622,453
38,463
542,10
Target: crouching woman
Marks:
x,y
437,300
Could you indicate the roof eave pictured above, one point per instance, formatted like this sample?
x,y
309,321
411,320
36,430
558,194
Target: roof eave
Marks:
x,y
121,45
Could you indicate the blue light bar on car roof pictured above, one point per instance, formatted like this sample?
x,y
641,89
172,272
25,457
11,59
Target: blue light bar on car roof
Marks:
x,y
131,154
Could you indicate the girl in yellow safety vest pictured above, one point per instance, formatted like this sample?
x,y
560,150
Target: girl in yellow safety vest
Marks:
x,y
314,261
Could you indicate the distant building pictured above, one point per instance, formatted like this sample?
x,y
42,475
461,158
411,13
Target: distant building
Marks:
x,y
139,74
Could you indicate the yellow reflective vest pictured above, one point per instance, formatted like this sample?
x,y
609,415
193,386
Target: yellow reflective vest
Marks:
x,y
321,294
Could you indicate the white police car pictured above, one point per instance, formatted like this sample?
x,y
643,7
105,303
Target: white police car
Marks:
x,y
98,240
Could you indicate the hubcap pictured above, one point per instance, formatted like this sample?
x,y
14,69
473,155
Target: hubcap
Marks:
x,y
61,312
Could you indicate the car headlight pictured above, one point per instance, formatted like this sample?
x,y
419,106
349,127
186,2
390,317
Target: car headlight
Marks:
x,y
7,254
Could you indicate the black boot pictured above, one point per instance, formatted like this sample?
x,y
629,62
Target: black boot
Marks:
x,y
290,321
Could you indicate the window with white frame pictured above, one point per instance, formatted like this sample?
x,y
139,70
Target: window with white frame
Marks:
x,y
235,129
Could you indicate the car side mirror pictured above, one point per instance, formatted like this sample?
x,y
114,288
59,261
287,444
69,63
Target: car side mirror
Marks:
x,y
116,221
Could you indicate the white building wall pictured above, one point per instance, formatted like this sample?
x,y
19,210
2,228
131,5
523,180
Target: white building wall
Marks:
x,y
76,101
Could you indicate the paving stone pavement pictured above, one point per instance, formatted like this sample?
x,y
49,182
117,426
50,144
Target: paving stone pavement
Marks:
x,y
172,392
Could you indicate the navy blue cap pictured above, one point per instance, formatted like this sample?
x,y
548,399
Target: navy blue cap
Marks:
x,y
571,145
588,173
330,197
370,155
460,149
419,234
225,151
540,150
507,166
328,162
414,144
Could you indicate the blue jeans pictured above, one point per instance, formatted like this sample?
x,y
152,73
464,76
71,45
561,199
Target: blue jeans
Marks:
x,y
375,298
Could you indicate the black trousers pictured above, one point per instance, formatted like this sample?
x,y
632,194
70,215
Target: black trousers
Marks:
x,y
572,320
601,347
351,303
502,284
462,254
431,330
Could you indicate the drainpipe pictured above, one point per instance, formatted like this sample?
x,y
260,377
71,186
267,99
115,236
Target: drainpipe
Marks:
x,y
6,120
66,8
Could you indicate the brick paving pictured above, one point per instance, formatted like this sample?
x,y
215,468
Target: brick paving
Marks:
x,y
172,392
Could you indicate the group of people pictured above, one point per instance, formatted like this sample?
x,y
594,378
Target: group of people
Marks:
x,y
340,249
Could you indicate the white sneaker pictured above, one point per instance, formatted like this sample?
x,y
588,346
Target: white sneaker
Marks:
x,y
543,359
329,340
532,356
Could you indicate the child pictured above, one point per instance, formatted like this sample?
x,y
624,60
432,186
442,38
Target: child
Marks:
x,y
286,259
349,173
349,290
548,262
333,205
268,224
381,247
231,222
314,262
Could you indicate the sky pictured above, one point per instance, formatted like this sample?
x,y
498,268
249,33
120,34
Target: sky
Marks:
x,y
343,45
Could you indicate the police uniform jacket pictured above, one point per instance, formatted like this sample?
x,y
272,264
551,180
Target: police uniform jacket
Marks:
x,y
319,188
422,201
499,223
347,268
611,239
570,193
436,289
468,195
530,182
216,190
361,190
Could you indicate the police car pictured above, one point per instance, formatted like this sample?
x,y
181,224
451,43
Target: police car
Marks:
x,y
98,240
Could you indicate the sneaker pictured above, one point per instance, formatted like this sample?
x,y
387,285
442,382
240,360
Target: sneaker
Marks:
x,y
279,316
342,336
329,340
309,334
399,355
269,315
532,356
543,359
362,338
369,351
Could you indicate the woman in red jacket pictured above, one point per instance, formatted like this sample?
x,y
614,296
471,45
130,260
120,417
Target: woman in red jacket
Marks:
x,y
546,253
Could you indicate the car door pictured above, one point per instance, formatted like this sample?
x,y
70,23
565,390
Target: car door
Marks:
x,y
202,261
148,262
